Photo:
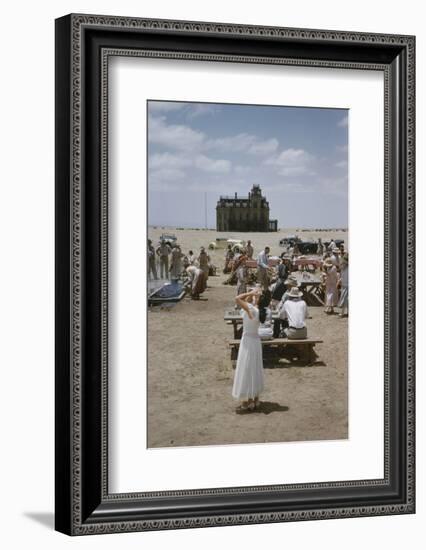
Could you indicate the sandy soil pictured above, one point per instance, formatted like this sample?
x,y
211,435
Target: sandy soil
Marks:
x,y
190,373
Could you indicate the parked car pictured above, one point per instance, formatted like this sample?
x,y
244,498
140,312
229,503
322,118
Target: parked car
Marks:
x,y
171,240
306,247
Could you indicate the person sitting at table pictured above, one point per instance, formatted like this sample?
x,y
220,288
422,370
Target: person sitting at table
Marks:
x,y
296,312
281,323
265,328
280,288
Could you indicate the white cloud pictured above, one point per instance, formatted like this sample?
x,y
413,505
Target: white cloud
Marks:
x,y
168,160
175,136
343,123
164,106
292,162
201,109
166,174
212,165
244,143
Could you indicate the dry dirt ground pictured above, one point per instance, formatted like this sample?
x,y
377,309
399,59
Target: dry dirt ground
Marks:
x,y
190,373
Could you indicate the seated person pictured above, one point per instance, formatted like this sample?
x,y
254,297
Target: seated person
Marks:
x,y
295,311
265,329
282,323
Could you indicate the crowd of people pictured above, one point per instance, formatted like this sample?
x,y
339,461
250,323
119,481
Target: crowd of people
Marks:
x,y
270,300
277,291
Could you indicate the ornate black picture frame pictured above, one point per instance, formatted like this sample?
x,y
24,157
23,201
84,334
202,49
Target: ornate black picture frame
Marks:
x,y
84,44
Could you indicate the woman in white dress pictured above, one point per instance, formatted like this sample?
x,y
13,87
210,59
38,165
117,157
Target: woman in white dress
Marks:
x,y
331,278
248,379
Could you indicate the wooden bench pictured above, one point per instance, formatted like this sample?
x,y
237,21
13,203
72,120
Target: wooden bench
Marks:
x,y
284,347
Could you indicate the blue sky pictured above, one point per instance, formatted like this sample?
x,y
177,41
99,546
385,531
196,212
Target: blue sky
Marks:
x,y
298,156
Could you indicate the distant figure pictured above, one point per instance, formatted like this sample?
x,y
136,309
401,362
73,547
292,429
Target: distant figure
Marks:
x,y
344,286
152,268
228,258
330,277
249,250
163,252
203,262
197,281
241,272
262,268
176,263
320,248
191,258
295,311
249,378
331,245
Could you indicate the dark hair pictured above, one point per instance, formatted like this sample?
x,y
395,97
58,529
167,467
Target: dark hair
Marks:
x,y
190,252
264,301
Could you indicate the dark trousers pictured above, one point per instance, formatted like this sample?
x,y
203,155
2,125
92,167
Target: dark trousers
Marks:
x,y
279,325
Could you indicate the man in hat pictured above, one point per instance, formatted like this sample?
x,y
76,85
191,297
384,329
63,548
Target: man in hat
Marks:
x,y
152,268
262,268
163,252
281,323
296,312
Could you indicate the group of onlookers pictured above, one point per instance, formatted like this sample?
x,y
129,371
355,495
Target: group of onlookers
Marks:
x,y
195,268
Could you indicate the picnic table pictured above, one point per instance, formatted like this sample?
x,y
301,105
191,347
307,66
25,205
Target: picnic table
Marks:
x,y
283,347
234,317
310,285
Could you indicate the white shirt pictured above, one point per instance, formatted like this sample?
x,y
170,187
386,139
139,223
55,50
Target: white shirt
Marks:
x,y
262,260
334,259
296,312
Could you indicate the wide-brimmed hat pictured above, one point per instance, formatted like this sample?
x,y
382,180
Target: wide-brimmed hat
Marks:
x,y
291,281
328,263
295,293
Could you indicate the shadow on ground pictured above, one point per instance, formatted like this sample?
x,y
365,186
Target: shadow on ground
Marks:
x,y
265,407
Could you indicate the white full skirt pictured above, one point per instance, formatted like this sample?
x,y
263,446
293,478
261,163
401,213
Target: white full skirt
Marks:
x,y
248,380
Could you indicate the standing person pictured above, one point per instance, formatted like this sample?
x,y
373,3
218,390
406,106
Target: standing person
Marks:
x,y
320,247
249,379
241,272
330,277
191,258
197,281
152,268
249,250
204,262
295,311
344,288
176,263
228,257
262,268
163,252
334,256
331,245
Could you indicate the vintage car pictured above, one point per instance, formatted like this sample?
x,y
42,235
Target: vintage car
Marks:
x,y
171,240
308,246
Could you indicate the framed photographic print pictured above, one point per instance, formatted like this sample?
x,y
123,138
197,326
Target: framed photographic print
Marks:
x,y
216,361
